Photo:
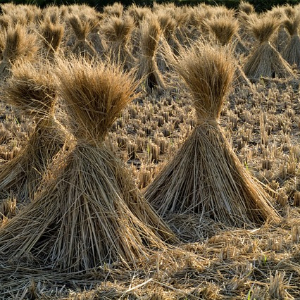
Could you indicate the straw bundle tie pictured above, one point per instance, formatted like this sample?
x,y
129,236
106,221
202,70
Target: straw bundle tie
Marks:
x,y
203,122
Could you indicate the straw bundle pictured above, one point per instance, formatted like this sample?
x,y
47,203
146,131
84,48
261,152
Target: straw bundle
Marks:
x,y
292,51
223,28
118,33
266,60
90,213
115,10
22,14
289,11
52,36
5,22
82,28
52,13
205,176
96,37
150,36
246,7
18,45
138,13
34,93
169,26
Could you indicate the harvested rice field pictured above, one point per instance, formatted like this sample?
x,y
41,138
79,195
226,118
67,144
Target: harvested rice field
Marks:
x,y
149,153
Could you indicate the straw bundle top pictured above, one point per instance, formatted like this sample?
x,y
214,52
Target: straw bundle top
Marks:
x,y
52,34
263,28
208,73
167,23
19,44
119,29
81,28
246,7
223,28
95,95
32,90
150,33
292,25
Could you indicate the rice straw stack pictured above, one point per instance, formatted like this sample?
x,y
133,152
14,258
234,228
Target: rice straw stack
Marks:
x,y
292,51
138,13
265,60
96,37
82,27
22,14
205,177
224,30
18,44
52,34
118,33
115,10
246,7
5,21
33,92
90,213
149,42
169,25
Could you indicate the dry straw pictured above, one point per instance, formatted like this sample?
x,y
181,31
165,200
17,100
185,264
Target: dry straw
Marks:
x,y
18,44
96,36
90,213
115,10
22,14
292,51
82,27
246,7
265,60
169,25
33,93
205,176
52,34
138,13
5,22
150,32
223,28
118,33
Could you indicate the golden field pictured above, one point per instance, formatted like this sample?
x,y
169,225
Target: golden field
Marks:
x,y
259,117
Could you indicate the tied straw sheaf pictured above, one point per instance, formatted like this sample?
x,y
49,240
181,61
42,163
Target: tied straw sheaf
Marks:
x,y
18,45
205,176
118,32
291,52
31,90
150,36
52,34
225,29
265,60
90,213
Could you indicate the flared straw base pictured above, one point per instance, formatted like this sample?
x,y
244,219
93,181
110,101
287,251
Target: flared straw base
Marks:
x,y
292,51
206,178
21,176
80,220
266,61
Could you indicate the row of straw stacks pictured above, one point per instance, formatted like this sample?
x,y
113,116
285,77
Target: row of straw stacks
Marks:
x,y
79,207
136,38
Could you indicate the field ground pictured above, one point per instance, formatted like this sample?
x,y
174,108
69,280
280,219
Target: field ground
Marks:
x,y
212,262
